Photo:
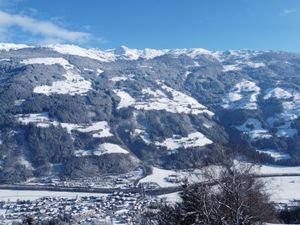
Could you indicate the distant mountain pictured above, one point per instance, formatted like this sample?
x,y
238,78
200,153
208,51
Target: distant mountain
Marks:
x,y
69,111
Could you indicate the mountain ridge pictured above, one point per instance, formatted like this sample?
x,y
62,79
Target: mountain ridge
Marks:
x,y
123,50
74,112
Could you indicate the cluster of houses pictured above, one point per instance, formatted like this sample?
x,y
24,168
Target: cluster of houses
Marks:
x,y
119,207
124,181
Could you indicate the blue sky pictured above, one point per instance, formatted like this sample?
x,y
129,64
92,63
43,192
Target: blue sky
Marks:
x,y
210,24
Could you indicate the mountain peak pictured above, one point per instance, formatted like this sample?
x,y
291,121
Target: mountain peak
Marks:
x,y
11,46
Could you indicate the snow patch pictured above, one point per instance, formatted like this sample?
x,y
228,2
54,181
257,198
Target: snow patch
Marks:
x,y
109,148
98,129
125,99
193,140
253,128
24,162
39,119
99,71
72,85
158,176
277,93
194,53
276,155
88,70
152,53
48,61
239,65
19,102
231,67
118,78
103,149
143,135
242,96
160,99
126,53
186,74
255,64
5,60
78,51
283,189
266,169
285,130
290,100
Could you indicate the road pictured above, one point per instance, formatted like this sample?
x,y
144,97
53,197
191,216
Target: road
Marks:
x,y
158,191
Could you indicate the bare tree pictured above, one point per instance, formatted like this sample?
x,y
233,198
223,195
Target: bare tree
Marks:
x,y
230,196
238,197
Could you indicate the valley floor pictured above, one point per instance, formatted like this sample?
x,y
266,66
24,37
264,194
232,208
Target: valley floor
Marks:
x,y
122,203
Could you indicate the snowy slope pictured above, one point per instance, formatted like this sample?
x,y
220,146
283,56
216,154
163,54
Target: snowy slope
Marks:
x,y
11,46
193,140
98,129
243,95
253,128
158,99
73,84
148,102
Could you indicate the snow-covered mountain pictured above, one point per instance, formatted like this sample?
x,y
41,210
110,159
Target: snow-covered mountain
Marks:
x,y
70,111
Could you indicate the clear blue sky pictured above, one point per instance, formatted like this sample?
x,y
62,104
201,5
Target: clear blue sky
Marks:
x,y
210,24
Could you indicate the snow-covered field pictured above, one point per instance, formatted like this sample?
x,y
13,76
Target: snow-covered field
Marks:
x,y
276,155
253,128
283,189
125,99
98,129
159,99
118,78
109,148
291,110
277,92
239,65
39,119
14,195
278,169
73,84
195,139
158,176
105,148
48,61
242,96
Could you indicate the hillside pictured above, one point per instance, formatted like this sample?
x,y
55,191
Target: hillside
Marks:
x,y
74,112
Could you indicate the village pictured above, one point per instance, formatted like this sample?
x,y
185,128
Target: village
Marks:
x,y
122,199
118,207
